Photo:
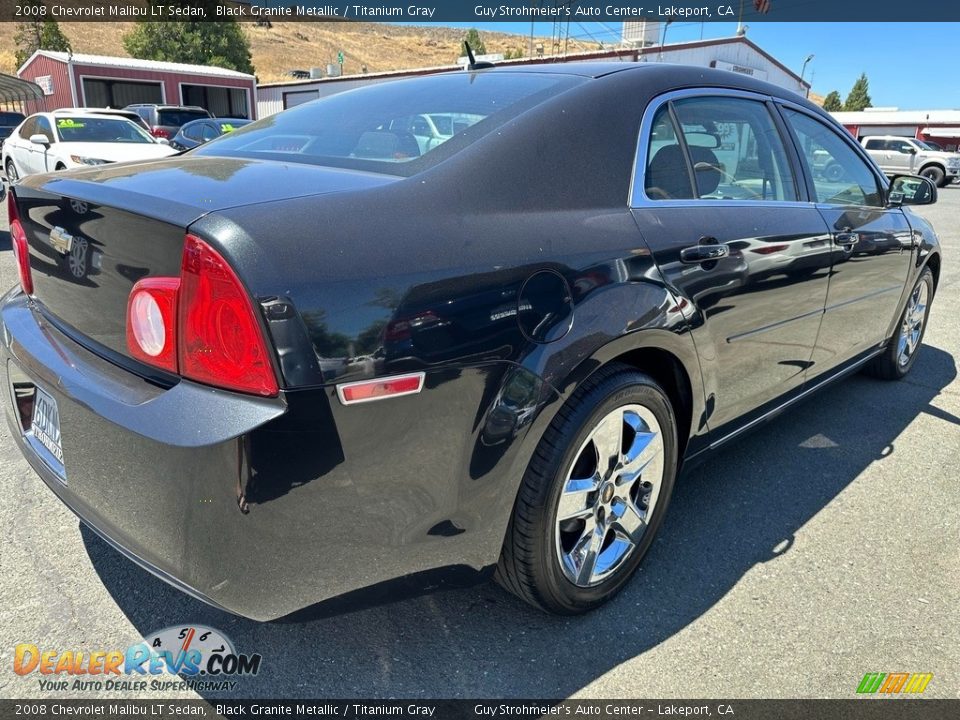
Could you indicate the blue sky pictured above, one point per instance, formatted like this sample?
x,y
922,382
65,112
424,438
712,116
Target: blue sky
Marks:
x,y
908,64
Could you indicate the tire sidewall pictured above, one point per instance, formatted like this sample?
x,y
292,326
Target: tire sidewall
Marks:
x,y
925,277
623,389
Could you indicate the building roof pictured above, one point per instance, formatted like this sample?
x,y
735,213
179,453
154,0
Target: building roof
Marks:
x,y
135,63
13,89
898,117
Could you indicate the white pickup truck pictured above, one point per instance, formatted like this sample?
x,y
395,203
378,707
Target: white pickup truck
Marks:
x,y
902,155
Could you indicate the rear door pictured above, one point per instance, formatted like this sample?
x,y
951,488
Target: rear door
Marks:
x,y
717,198
873,245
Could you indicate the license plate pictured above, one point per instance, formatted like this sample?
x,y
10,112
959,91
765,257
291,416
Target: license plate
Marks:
x,y
45,426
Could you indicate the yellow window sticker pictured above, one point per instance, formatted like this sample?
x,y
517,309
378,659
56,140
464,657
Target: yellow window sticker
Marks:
x,y
69,123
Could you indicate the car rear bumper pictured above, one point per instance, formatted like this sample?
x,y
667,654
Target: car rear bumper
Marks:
x,y
266,506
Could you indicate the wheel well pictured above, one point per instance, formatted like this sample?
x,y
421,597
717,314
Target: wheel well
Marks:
x,y
670,374
933,164
60,166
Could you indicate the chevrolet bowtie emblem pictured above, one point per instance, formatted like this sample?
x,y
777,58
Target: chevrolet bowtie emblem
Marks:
x,y
61,240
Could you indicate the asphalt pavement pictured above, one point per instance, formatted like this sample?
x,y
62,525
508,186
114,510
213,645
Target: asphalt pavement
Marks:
x,y
819,548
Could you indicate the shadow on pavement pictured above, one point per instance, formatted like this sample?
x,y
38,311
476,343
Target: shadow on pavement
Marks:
x,y
741,509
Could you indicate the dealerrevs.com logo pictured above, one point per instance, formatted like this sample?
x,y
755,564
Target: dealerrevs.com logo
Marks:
x,y
197,657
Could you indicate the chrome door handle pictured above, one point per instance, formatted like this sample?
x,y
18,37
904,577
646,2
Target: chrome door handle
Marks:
x,y
704,253
846,238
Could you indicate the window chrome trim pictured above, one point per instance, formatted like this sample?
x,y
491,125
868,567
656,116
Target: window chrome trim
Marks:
x,y
638,197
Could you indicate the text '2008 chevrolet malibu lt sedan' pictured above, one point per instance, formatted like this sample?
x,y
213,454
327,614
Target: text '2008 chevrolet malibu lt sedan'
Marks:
x,y
475,321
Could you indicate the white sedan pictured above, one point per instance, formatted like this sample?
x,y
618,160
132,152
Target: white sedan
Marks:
x,y
56,141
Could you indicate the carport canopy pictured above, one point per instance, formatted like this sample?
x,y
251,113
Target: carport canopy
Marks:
x,y
13,89
941,131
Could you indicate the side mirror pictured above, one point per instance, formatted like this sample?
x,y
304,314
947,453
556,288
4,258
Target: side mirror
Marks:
x,y
163,141
909,150
39,139
911,190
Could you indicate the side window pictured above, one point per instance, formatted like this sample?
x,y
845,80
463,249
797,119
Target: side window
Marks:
x,y
840,175
192,132
208,132
875,144
44,128
28,128
735,153
667,176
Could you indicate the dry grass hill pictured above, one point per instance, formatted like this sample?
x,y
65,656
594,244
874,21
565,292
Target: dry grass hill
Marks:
x,y
303,45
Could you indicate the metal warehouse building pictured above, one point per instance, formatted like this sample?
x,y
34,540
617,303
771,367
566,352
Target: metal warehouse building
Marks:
x,y
736,54
76,80
940,126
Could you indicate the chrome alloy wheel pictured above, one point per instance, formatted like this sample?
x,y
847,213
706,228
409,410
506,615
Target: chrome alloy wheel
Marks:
x,y
912,326
609,494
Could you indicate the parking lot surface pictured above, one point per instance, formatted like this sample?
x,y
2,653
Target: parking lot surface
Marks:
x,y
819,548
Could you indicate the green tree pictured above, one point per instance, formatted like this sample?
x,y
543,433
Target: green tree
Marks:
x,y
832,102
222,44
859,97
476,42
513,54
38,35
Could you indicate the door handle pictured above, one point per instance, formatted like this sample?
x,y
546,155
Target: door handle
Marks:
x,y
704,253
846,238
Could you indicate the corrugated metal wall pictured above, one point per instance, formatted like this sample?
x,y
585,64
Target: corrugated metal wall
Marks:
x,y
59,77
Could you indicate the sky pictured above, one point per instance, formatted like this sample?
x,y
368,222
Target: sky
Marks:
x,y
908,64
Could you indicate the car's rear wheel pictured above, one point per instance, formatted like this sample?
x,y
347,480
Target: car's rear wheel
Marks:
x,y
11,170
934,174
594,494
897,359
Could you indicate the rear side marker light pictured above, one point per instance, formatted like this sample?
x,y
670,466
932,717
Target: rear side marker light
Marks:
x,y
18,240
151,322
380,389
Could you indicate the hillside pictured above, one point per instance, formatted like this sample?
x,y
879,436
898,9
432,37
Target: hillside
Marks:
x,y
303,45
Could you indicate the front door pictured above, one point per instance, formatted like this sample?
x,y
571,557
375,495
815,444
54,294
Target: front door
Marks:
x,y
873,245
718,201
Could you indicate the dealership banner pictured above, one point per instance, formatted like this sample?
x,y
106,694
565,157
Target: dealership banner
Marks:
x,y
484,11
492,709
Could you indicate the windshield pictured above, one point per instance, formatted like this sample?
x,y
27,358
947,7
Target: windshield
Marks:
x,y
399,128
180,117
105,130
924,145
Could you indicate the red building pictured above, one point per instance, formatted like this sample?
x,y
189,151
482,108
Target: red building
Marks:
x,y
939,126
77,80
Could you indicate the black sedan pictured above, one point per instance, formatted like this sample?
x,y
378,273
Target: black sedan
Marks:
x,y
198,132
328,355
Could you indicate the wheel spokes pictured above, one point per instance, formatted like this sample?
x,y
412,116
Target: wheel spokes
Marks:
x,y
608,441
575,501
583,557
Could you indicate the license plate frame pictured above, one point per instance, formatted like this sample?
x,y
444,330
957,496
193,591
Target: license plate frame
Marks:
x,y
44,434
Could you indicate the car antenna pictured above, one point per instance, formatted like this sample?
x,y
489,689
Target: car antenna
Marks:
x,y
472,63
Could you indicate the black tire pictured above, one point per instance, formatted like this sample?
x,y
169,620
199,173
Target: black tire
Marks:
x,y
934,174
890,365
11,171
530,566
60,166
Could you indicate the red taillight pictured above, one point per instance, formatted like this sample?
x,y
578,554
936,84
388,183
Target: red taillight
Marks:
x,y
367,390
201,325
159,132
18,241
152,322
220,341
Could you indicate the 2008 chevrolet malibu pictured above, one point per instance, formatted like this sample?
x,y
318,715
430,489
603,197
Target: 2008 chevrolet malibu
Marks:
x,y
472,321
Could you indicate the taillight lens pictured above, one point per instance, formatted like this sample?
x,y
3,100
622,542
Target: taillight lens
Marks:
x,y
201,325
159,132
151,322
220,341
18,240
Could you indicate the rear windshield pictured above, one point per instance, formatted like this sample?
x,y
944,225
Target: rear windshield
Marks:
x,y
398,128
100,129
180,117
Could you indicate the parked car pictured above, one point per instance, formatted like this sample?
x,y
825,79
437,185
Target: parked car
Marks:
x,y
165,121
128,114
906,155
198,132
325,362
54,141
9,121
